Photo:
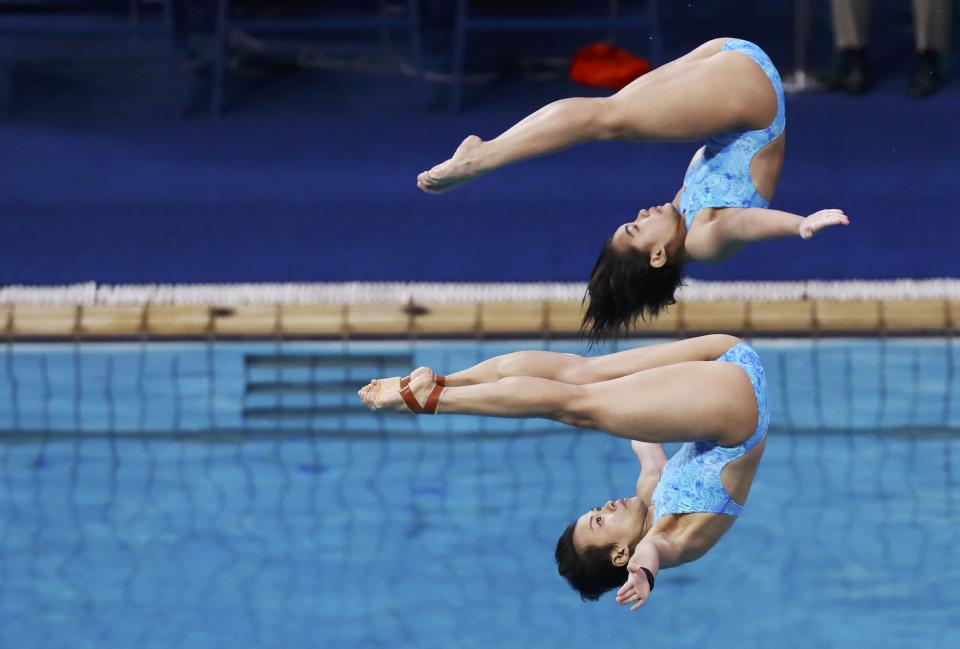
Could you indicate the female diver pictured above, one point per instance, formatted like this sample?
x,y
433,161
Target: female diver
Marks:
x,y
728,92
682,506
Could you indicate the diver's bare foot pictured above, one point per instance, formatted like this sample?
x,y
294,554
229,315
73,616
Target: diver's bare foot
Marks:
x,y
388,384
384,394
463,167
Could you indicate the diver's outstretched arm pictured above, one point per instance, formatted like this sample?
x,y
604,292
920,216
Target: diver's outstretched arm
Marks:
x,y
728,233
706,92
759,224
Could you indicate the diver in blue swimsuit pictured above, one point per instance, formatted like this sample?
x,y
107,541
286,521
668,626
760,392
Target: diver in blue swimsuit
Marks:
x,y
708,392
726,92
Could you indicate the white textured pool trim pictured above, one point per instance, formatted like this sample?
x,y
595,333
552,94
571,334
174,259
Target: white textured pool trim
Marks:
x,y
444,292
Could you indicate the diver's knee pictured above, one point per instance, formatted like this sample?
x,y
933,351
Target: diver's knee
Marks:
x,y
579,408
609,119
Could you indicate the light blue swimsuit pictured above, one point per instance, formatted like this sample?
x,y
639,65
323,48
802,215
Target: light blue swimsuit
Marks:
x,y
721,176
690,481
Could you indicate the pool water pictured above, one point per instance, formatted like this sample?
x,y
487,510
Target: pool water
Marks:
x,y
238,495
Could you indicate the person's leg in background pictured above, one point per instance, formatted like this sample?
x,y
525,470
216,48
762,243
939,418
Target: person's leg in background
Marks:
x,y
851,21
931,28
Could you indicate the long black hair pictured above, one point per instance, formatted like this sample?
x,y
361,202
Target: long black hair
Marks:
x,y
590,572
624,287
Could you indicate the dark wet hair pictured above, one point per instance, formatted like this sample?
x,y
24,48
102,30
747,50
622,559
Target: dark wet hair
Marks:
x,y
624,287
590,573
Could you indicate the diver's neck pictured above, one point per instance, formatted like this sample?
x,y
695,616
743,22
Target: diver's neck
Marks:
x,y
647,523
680,240
679,254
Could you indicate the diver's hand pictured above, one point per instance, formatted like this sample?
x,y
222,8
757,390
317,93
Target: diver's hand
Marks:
x,y
820,220
636,590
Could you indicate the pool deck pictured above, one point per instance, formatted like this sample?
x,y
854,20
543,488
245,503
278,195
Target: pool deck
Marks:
x,y
546,318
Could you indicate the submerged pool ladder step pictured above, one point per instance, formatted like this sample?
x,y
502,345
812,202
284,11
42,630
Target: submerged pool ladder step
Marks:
x,y
317,361
388,364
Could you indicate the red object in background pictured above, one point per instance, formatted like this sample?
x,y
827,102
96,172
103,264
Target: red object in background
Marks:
x,y
606,66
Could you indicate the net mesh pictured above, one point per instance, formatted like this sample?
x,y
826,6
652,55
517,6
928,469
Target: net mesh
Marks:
x,y
237,494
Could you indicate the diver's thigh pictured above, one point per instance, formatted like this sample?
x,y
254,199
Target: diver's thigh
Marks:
x,y
638,359
696,400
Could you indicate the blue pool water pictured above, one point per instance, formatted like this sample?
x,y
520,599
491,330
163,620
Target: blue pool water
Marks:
x,y
237,495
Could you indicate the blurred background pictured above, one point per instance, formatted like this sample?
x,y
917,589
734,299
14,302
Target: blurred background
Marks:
x,y
188,466
194,141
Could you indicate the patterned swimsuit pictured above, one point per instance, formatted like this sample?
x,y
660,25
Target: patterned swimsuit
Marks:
x,y
690,481
721,176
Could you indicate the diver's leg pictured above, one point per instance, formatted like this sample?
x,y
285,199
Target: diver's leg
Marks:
x,y
579,370
687,401
688,99
556,126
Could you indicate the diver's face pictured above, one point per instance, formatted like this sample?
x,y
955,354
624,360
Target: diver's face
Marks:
x,y
617,521
653,227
